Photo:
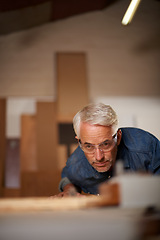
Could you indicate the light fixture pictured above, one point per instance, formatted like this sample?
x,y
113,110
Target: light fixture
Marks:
x,y
130,12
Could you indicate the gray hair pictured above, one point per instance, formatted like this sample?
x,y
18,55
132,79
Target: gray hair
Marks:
x,y
96,114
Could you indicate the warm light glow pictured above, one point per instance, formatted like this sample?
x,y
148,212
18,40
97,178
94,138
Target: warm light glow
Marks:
x,y
130,12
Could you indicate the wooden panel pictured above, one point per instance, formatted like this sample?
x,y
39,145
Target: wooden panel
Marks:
x,y
11,192
43,183
72,89
46,136
28,148
2,142
62,156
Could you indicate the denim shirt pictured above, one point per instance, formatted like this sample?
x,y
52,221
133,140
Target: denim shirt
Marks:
x,y
139,150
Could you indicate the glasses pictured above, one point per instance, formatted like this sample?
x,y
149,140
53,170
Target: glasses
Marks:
x,y
105,146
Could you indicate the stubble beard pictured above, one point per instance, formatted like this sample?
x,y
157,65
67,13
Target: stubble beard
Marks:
x,y
104,168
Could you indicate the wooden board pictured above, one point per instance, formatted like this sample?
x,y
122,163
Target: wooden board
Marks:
x,y
72,86
67,203
46,136
28,146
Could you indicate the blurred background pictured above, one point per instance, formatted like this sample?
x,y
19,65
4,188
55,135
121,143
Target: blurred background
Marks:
x,y
55,57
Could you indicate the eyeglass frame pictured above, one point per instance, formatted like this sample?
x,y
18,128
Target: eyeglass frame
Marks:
x,y
114,139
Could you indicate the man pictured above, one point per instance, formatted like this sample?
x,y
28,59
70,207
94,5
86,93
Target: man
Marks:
x,y
101,144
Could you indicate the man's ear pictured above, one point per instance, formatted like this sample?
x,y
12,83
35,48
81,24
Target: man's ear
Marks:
x,y
119,136
76,137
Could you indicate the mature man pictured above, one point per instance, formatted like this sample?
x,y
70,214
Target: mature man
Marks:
x,y
101,144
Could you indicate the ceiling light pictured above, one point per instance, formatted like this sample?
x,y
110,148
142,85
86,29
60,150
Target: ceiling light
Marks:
x,y
130,12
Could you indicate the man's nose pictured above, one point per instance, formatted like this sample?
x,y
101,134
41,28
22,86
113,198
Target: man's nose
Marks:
x,y
99,154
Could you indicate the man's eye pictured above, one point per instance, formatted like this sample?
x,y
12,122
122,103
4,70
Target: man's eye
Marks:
x,y
88,146
105,144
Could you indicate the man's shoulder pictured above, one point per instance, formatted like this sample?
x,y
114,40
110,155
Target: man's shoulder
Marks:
x,y
77,157
78,165
134,130
138,139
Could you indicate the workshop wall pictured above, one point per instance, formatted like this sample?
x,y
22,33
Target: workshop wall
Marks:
x,y
121,61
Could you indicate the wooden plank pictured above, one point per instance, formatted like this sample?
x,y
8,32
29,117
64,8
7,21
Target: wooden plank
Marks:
x,y
2,142
28,146
47,135
54,204
72,87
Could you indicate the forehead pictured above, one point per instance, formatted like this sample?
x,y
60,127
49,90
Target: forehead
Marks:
x,y
95,133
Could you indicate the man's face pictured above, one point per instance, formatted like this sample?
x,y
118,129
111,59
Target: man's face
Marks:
x,y
96,134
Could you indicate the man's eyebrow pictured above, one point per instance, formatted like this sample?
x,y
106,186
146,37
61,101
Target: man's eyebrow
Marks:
x,y
88,143
107,140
